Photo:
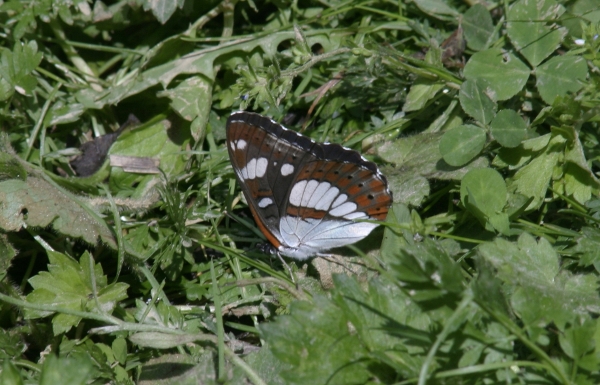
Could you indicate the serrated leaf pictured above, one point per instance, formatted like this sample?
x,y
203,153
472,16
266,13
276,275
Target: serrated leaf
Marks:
x,y
25,60
508,128
541,292
503,71
479,28
68,284
528,31
587,247
199,62
462,144
46,204
559,76
476,102
349,327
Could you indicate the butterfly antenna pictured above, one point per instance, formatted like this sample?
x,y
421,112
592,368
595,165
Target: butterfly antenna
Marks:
x,y
289,269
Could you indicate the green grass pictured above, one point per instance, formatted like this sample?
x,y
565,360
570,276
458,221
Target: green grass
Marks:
x,y
485,271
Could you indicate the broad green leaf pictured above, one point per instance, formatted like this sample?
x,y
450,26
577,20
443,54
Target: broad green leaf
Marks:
x,y
407,189
579,182
533,179
75,371
119,349
478,27
439,8
462,144
393,237
528,32
9,374
420,93
416,159
415,152
516,157
163,9
484,193
154,142
63,113
500,222
477,100
559,76
158,340
541,291
508,128
503,71
428,267
578,340
192,100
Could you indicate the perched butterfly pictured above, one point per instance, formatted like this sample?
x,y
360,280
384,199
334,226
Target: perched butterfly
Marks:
x,y
305,196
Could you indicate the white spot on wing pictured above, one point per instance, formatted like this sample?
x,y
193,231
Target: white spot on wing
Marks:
x,y
341,199
318,194
255,168
327,198
251,168
311,186
241,144
344,209
261,167
296,193
265,202
287,169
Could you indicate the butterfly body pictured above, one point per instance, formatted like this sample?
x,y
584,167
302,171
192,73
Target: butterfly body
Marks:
x,y
305,196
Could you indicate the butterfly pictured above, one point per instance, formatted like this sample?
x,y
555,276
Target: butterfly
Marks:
x,y
305,197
